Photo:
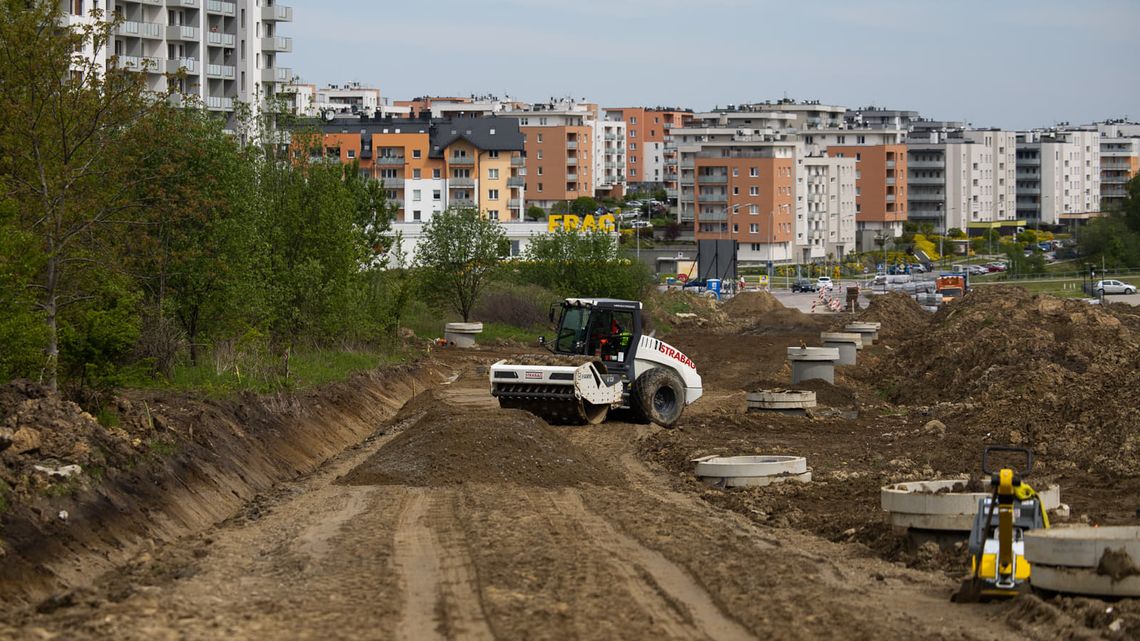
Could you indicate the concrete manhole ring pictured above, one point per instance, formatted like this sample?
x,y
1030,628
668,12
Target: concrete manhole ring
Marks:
x,y
1100,561
933,505
780,399
744,471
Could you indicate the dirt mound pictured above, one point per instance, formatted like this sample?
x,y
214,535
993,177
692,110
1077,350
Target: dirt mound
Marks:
x,y
899,314
1036,370
761,313
752,304
451,446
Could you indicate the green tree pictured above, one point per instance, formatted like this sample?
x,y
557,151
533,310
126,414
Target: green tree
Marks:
x,y
588,263
63,121
534,212
459,253
21,327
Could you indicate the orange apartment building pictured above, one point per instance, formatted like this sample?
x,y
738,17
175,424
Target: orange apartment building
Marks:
x,y
647,130
559,150
745,197
428,165
880,188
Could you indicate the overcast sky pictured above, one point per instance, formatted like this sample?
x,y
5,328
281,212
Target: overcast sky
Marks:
x,y
1004,63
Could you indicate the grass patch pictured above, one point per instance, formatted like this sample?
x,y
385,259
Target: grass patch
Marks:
x,y
500,331
159,446
107,417
68,487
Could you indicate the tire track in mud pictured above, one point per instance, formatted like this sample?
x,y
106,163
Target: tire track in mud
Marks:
x,y
662,588
436,575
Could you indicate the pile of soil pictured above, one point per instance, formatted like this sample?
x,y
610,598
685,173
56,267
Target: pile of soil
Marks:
x,y
449,445
49,445
761,312
1033,370
900,315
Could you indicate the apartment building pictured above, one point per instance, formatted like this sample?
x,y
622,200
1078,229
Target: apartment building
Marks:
x,y
646,130
808,114
351,98
428,165
738,181
1119,159
1058,176
560,150
609,158
962,178
880,118
825,220
227,50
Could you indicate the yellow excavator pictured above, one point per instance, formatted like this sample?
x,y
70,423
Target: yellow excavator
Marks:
x,y
998,569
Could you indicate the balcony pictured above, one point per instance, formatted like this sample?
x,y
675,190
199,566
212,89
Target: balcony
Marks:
x,y
514,203
713,217
618,137
890,182
925,180
389,160
926,164
460,181
890,198
571,145
461,160
712,179
175,64
182,32
219,7
154,3
277,74
277,44
140,30
1031,191
572,161
182,4
461,202
277,13
712,198
392,183
927,196
217,39
571,176
224,72
518,161
890,164
217,103
516,181
139,63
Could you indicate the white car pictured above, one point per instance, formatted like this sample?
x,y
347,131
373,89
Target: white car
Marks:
x,y
1103,287
640,224
824,282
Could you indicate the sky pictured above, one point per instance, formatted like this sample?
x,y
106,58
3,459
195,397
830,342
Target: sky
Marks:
x,y
1014,64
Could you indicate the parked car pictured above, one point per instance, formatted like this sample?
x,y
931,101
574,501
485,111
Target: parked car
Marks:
x,y
1103,287
823,282
640,224
917,268
804,285
977,269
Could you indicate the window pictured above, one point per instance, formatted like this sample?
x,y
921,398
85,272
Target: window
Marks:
x,y
417,195
735,228
493,194
736,191
858,157
539,137
753,191
492,174
754,228
632,172
633,146
754,209
494,153
540,186
861,140
539,154
434,173
839,140
540,171
754,172
416,173
735,172
493,214
352,153
416,215
436,195
416,153
633,133
633,120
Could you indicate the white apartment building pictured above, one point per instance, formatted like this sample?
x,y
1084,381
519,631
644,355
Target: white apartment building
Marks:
x,y
880,118
962,178
1058,176
228,50
350,98
1119,159
809,114
609,154
825,214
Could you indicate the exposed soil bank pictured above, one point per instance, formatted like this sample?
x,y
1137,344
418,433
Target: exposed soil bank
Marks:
x,y
175,466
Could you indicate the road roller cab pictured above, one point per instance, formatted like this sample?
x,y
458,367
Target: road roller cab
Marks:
x,y
599,353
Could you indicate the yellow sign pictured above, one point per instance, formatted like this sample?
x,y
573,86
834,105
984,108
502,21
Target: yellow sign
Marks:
x,y
589,222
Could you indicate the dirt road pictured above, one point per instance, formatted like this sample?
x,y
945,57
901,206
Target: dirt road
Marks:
x,y
632,559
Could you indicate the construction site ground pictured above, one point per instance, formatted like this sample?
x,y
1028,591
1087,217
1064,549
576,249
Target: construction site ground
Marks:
x,y
450,518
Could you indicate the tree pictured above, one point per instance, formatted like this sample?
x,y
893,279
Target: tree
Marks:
x,y
534,212
63,122
577,263
459,253
21,327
